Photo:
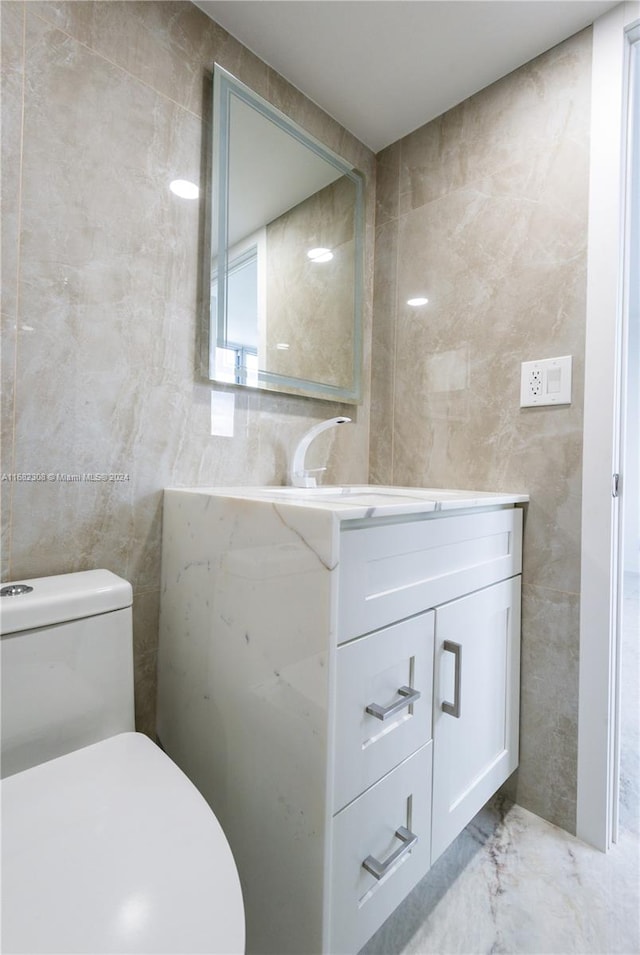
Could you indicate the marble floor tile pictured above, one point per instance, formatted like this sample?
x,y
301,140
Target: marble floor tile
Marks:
x,y
513,883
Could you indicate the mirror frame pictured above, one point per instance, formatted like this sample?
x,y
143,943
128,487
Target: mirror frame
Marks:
x,y
225,86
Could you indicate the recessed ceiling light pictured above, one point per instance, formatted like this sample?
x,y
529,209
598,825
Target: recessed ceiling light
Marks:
x,y
282,346
320,255
415,302
184,189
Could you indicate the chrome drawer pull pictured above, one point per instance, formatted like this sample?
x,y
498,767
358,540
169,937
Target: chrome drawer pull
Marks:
x,y
453,709
380,869
407,697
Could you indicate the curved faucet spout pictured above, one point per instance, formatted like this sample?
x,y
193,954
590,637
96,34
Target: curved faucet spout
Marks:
x,y
299,475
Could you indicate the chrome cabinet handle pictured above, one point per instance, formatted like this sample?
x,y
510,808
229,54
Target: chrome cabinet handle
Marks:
x,y
379,869
407,697
453,709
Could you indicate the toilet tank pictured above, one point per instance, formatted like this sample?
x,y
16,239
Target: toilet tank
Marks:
x,y
66,658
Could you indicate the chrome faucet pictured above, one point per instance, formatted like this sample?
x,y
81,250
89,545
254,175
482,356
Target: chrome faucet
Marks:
x,y
299,475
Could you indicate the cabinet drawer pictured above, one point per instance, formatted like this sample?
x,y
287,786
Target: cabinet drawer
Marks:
x,y
392,571
370,673
366,830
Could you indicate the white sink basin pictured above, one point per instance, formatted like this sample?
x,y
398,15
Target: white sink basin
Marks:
x,y
348,490
313,493
377,496
368,495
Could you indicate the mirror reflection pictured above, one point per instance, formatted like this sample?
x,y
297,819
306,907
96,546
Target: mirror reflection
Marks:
x,y
286,278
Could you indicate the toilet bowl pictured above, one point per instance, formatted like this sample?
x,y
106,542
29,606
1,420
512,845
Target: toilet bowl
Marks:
x,y
106,845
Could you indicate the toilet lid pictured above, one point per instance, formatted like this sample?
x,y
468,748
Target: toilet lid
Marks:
x,y
112,849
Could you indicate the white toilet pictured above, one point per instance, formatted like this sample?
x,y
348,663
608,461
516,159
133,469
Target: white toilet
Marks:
x,y
106,845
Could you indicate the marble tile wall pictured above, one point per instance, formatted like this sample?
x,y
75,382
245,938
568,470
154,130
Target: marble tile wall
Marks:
x,y
103,104
484,210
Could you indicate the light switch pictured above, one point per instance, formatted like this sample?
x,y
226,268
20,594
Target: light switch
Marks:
x,y
546,382
553,381
222,413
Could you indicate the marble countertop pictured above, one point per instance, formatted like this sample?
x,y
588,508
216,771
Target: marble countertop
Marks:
x,y
352,502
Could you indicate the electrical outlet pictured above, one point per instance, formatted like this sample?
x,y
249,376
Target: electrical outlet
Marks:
x,y
545,382
535,382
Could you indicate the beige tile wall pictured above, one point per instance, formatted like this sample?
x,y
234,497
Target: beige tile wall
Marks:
x,y
103,104
484,210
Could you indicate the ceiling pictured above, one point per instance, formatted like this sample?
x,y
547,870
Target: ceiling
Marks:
x,y
384,67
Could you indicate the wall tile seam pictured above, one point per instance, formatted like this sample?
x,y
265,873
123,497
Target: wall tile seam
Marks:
x,y
389,220
552,590
117,66
394,365
17,295
398,184
462,140
464,187
146,591
546,142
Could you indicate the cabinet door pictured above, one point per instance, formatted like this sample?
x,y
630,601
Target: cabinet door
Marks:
x,y
476,705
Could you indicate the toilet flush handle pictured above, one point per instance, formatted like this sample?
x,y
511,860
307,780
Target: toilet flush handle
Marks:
x,y
15,590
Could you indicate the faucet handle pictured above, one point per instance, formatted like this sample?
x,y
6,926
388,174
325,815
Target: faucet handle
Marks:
x,y
306,478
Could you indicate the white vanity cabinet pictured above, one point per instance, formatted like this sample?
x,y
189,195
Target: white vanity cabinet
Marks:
x,y
342,684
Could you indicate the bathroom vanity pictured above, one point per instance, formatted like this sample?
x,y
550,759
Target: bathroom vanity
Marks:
x,y
339,676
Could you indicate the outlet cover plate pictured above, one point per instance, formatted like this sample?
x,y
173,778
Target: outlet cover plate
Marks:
x,y
545,382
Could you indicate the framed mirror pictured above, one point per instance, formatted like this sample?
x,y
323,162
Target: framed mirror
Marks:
x,y
286,253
